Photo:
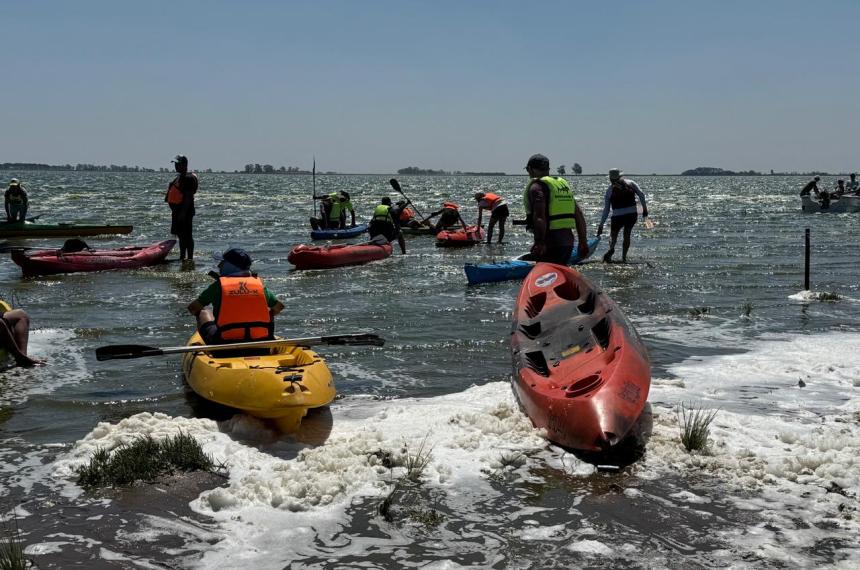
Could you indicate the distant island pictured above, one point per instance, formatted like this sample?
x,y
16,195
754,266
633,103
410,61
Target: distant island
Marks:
x,y
711,171
412,170
78,167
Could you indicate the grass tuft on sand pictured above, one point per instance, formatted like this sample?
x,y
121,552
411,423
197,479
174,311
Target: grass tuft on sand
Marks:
x,y
695,423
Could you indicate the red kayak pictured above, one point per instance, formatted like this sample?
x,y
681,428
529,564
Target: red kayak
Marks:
x,y
461,237
323,257
580,369
53,261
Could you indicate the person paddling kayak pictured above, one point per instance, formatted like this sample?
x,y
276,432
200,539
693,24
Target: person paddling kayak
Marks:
x,y
384,223
180,198
14,336
243,309
449,215
16,202
498,209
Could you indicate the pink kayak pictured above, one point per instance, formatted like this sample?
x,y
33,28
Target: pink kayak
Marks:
x,y
52,261
326,256
461,237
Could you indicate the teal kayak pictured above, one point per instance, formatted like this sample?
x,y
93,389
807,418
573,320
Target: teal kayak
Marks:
x,y
515,269
34,230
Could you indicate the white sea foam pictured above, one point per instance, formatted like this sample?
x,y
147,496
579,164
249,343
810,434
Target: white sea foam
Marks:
x,y
784,452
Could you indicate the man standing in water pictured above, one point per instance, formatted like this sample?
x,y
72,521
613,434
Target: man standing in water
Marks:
x,y
552,214
811,186
180,198
621,198
16,202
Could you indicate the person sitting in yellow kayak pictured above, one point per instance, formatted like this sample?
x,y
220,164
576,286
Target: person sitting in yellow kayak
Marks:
x,y
243,309
16,202
14,334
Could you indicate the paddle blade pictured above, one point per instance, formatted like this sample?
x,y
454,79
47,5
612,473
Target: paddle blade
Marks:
x,y
125,351
354,339
395,184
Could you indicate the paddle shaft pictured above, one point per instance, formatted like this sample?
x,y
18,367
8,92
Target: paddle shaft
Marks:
x,y
396,185
118,352
314,178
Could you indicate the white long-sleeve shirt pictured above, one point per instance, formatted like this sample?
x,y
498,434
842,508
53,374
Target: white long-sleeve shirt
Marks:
x,y
607,204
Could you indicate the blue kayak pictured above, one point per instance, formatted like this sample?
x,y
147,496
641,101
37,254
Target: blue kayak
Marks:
x,y
345,233
515,268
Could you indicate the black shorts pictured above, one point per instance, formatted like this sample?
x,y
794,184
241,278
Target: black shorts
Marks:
x,y
500,213
181,226
626,221
384,229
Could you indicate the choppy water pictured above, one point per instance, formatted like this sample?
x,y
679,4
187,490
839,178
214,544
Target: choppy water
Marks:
x,y
763,497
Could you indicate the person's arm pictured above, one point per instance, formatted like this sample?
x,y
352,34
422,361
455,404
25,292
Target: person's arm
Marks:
x,y
275,305
195,307
462,222
276,308
6,205
26,198
205,298
352,213
581,232
480,211
540,223
641,196
606,206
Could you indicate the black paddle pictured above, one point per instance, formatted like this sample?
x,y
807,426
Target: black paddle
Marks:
x,y
125,351
396,185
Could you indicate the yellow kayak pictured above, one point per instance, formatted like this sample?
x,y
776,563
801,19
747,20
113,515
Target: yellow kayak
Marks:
x,y
4,354
281,384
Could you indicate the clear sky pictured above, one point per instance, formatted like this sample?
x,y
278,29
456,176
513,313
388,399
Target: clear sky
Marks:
x,y
373,86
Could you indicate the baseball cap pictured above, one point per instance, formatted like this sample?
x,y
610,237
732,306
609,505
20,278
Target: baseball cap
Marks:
x,y
615,174
538,161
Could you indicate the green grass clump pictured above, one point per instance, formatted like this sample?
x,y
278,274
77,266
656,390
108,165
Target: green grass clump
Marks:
x,y
143,460
695,422
12,550
415,463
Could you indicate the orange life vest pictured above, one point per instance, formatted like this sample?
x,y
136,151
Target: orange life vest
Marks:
x,y
244,314
406,214
174,194
491,199
450,205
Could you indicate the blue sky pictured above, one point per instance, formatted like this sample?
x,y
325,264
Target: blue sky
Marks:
x,y
373,86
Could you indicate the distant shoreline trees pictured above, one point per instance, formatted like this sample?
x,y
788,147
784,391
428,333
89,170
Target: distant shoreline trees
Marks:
x,y
414,170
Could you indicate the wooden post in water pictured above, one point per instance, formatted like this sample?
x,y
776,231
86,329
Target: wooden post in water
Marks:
x,y
806,264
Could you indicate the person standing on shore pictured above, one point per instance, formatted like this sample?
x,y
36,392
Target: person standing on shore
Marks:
x,y
621,197
180,198
552,214
16,202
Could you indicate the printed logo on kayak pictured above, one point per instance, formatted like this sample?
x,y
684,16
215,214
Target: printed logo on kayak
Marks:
x,y
547,279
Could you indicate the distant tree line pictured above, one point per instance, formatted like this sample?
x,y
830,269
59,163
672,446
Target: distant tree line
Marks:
x,y
711,171
269,169
425,171
77,167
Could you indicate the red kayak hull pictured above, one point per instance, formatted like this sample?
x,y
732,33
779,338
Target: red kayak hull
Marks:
x,y
328,256
581,372
460,237
54,261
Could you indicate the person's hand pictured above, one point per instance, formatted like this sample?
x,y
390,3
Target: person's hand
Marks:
x,y
538,249
600,229
644,213
582,249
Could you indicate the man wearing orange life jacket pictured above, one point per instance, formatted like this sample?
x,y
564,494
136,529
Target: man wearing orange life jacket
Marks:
x,y
180,198
449,215
498,212
243,309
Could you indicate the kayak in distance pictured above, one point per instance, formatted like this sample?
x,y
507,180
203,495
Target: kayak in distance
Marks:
x,y
279,383
517,268
338,255
841,205
54,261
34,230
581,372
470,236
344,233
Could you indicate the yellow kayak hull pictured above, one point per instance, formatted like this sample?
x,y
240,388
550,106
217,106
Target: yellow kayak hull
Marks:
x,y
4,354
281,385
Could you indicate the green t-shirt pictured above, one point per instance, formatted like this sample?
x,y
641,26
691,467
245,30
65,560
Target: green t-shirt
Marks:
x,y
212,296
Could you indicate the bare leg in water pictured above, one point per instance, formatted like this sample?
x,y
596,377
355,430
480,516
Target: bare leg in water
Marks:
x,y
625,245
14,335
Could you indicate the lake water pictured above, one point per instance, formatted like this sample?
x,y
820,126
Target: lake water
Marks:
x,y
714,289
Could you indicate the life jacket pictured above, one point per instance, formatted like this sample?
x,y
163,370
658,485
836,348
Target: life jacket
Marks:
x,y
623,197
17,195
244,314
561,205
451,205
406,214
174,194
491,201
382,213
